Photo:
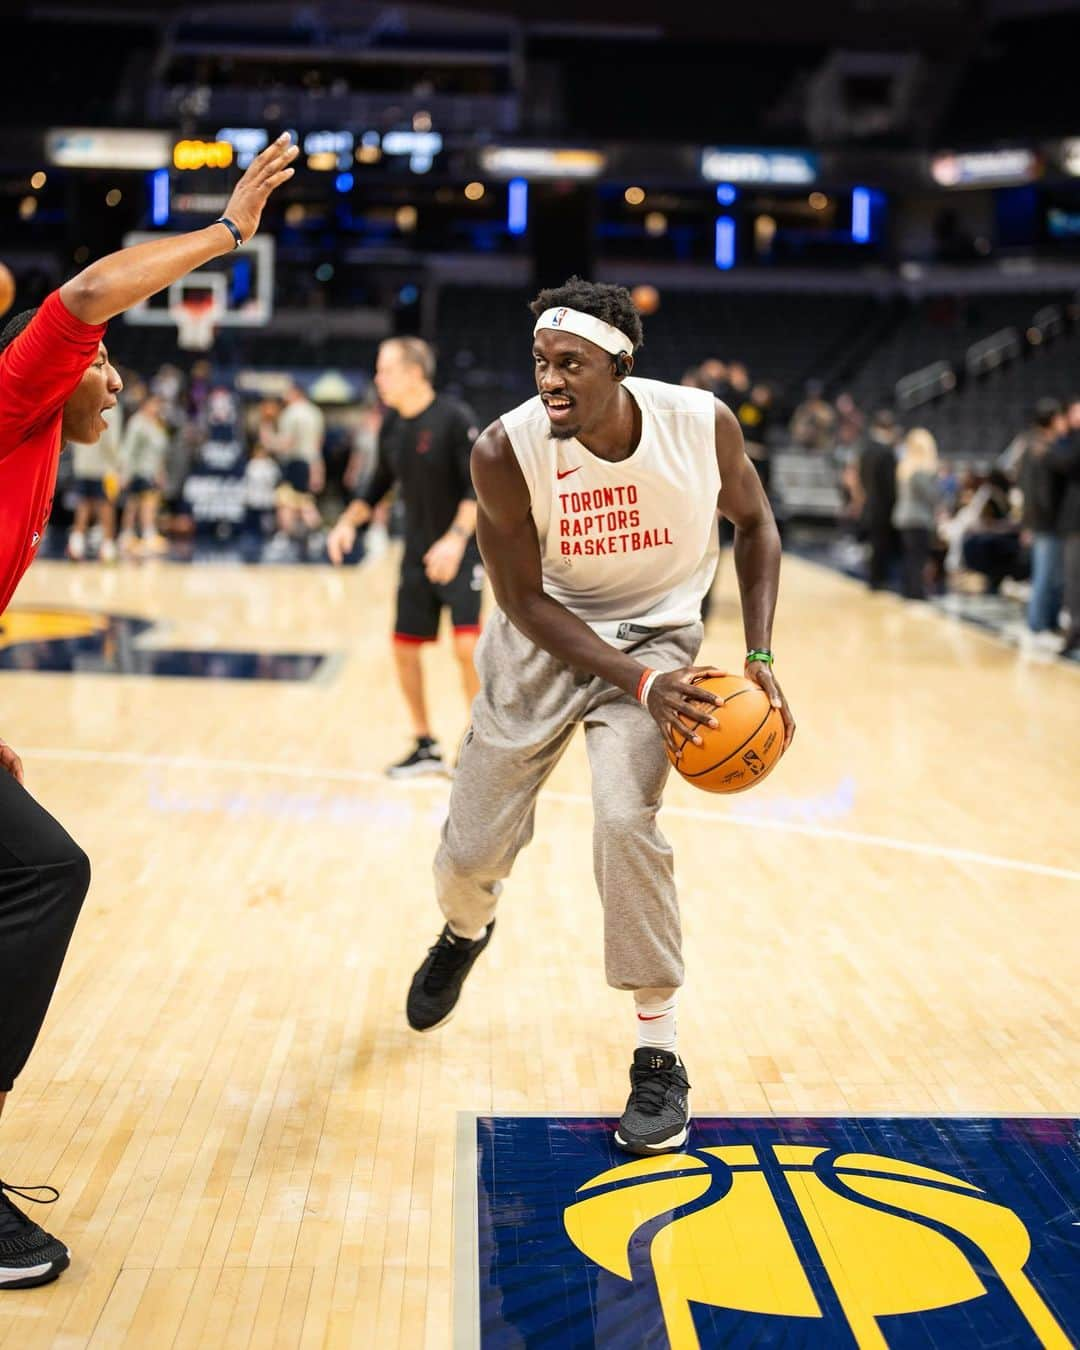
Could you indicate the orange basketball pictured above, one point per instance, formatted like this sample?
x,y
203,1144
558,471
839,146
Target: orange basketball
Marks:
x,y
646,299
7,289
743,749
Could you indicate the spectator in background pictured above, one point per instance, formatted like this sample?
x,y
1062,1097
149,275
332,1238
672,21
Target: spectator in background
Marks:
x,y
755,414
714,376
813,423
877,483
200,383
983,533
915,512
850,421
1043,491
96,471
301,429
365,448
265,433
142,468
694,378
1065,459
738,379
261,479
359,470
168,384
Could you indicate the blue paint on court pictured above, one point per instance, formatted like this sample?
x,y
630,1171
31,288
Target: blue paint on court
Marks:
x,y
537,1289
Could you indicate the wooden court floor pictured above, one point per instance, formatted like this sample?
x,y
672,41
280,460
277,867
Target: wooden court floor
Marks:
x,y
251,1146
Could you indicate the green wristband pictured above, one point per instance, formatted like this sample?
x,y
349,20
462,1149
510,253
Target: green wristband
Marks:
x,y
761,654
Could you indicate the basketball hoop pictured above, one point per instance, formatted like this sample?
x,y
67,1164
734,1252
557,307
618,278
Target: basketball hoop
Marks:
x,y
195,317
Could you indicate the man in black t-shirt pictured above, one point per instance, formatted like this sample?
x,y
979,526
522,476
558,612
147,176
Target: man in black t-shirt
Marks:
x,y
424,447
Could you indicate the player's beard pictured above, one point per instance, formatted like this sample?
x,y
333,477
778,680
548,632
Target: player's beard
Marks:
x,y
562,433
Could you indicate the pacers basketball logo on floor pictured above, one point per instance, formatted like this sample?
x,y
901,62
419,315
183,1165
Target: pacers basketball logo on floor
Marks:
x,y
867,1232
78,640
20,626
890,1236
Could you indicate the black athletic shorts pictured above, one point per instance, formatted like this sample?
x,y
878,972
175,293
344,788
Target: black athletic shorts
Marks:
x,y
420,602
89,489
297,473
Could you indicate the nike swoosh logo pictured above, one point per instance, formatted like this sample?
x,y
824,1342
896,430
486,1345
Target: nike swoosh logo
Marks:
x,y
565,473
642,1018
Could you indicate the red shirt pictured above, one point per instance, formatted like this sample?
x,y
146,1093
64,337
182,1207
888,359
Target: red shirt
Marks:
x,y
38,374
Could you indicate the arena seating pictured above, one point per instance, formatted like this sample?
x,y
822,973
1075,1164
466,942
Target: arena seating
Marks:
x,y
980,419
940,328
483,338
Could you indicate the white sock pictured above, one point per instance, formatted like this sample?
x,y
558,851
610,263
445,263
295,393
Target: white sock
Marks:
x,y
469,937
656,1023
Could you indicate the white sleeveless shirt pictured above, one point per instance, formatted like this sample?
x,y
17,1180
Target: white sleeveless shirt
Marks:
x,y
632,546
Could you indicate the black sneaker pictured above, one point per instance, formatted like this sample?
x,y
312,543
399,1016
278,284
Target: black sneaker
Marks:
x,y
658,1112
425,757
28,1255
436,986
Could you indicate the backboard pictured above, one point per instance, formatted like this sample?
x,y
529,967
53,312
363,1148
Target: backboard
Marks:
x,y
241,282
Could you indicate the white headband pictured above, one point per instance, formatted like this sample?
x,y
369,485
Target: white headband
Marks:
x,y
609,339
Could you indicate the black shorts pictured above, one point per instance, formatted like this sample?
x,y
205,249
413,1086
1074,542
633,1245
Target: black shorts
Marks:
x,y
297,473
138,485
420,602
89,490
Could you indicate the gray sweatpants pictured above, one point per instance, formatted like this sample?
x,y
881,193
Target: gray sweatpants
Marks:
x,y
522,721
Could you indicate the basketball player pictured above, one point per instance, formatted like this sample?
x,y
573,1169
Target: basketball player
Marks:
x,y
56,383
424,447
597,523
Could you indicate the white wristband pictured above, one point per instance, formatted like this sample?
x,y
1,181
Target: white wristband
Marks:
x,y
646,687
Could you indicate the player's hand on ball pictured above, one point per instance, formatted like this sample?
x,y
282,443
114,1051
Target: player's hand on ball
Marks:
x,y
443,558
265,172
676,702
340,541
762,675
10,761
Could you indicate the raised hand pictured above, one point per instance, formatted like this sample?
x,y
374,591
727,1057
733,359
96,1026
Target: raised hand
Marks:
x,y
265,173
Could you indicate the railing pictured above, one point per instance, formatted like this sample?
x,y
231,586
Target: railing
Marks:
x,y
923,385
993,351
806,484
1046,323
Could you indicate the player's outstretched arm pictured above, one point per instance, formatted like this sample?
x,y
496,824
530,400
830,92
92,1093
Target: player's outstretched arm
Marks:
x,y
115,283
511,552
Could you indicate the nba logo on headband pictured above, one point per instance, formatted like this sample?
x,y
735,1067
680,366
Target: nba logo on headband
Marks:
x,y
609,339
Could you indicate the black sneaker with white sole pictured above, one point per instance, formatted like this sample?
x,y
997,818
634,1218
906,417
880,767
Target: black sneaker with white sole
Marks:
x,y
28,1255
657,1114
424,758
436,986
